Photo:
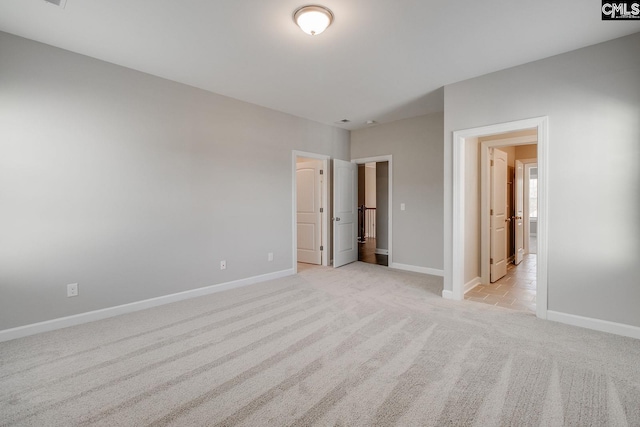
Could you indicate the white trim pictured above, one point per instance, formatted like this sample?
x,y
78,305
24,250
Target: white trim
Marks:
x,y
472,284
595,324
458,241
518,140
326,203
382,251
91,316
447,294
417,269
486,155
387,158
457,275
543,219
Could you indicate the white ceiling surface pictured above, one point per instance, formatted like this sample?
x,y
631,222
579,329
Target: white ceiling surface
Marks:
x,y
381,60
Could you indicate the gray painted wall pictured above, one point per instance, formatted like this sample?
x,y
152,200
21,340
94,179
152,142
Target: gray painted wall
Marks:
x,y
416,146
592,99
134,186
382,200
362,178
370,187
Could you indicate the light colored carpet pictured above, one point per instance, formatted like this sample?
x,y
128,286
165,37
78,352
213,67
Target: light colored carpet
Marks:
x,y
361,345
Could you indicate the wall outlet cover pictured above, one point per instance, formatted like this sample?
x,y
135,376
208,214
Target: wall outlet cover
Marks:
x,y
72,290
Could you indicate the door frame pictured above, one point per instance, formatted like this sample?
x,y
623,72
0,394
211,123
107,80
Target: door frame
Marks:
x,y
541,124
326,203
376,159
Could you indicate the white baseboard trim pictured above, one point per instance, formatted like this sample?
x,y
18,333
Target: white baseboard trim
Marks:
x,y
416,269
91,316
472,284
382,251
595,324
447,294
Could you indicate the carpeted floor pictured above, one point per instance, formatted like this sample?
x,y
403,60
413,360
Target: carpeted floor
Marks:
x,y
361,345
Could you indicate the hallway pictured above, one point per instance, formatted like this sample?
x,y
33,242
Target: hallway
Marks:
x,y
367,253
516,290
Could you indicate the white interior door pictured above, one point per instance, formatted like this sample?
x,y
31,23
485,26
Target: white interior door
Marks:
x,y
309,215
519,217
345,212
499,218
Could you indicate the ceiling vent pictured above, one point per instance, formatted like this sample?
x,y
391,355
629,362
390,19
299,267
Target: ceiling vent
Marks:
x,y
60,3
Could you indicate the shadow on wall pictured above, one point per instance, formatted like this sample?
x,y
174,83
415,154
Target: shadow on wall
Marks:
x,y
429,103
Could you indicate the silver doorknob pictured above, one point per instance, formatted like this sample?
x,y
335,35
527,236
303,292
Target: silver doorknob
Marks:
x,y
337,219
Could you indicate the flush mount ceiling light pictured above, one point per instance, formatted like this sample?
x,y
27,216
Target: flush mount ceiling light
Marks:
x,y
313,20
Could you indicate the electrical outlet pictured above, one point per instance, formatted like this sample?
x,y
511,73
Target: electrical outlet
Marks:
x,y
270,256
402,206
72,290
223,265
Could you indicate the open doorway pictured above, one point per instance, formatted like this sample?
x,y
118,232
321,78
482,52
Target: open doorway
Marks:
x,y
373,201
311,208
374,209
508,270
470,243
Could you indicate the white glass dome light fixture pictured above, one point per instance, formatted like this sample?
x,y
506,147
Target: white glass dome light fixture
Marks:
x,y
313,19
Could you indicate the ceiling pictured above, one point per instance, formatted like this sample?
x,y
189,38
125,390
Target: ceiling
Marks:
x,y
380,60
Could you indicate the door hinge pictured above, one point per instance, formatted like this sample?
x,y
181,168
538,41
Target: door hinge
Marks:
x,y
321,210
321,172
491,261
491,162
322,248
491,211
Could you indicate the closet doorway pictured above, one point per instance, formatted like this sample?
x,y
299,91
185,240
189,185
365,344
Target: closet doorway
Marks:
x,y
311,208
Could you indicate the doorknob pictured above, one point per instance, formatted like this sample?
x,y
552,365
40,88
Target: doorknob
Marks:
x,y
337,219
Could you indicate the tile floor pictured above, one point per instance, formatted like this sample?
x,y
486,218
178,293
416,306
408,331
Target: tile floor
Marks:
x,y
516,290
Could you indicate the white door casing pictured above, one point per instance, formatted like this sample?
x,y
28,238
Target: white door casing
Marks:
x,y
308,213
519,212
454,266
345,212
499,219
